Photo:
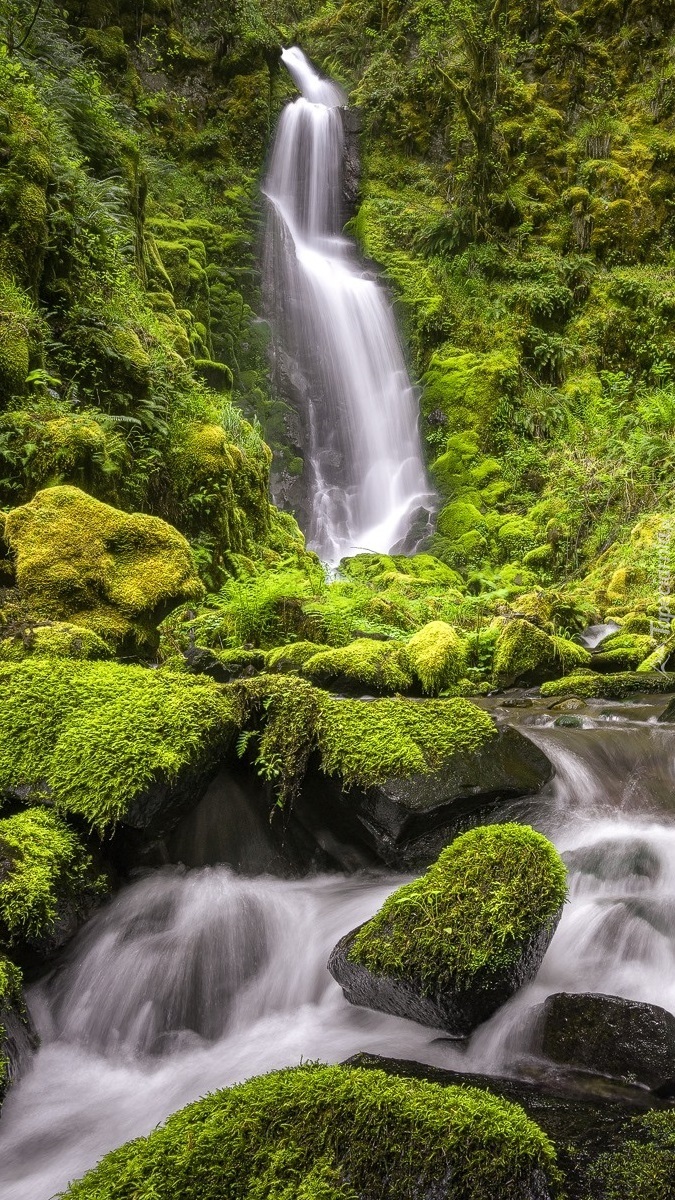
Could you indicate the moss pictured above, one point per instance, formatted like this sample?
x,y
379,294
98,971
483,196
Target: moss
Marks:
x,y
659,657
364,743
44,869
437,655
610,687
642,1167
57,639
91,737
327,1132
623,652
11,1002
83,561
294,656
475,910
363,663
524,651
458,518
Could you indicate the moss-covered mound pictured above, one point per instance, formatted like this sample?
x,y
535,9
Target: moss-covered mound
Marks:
x,y
610,687
437,654
53,639
109,742
525,653
364,663
490,892
643,1168
319,1133
365,743
82,561
47,880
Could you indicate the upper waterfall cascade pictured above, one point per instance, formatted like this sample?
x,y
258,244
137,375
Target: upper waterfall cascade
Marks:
x,y
335,322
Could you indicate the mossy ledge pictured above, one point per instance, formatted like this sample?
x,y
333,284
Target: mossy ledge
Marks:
x,y
108,742
487,895
610,687
319,1133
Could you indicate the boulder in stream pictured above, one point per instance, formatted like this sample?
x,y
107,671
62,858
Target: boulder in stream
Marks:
x,y
608,1035
450,948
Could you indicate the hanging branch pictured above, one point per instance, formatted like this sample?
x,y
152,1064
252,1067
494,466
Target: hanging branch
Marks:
x,y
10,40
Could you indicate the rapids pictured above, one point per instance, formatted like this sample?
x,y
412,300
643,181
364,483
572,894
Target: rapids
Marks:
x,y
335,323
192,980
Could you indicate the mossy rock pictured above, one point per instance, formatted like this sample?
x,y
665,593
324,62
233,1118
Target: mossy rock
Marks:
x,y
48,883
449,949
438,656
364,663
81,561
56,639
610,687
292,657
527,654
310,1134
661,659
17,1034
111,743
642,1164
623,652
222,665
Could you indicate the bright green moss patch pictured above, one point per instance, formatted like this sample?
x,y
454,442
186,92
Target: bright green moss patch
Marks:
x,y
437,655
331,1133
294,656
644,1167
610,687
365,743
43,868
56,639
92,736
364,663
83,561
522,650
488,893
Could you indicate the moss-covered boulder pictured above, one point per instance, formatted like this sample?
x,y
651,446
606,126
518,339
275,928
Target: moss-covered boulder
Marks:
x,y
450,948
591,685
48,883
526,654
363,664
116,573
608,1035
438,656
110,743
326,1132
53,639
641,1165
398,777
17,1033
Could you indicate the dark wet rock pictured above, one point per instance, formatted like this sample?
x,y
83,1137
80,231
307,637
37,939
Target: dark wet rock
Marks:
x,y
568,722
608,1035
517,702
668,713
405,823
613,859
584,1118
457,1010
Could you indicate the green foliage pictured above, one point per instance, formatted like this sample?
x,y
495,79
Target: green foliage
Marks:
x,y
475,910
642,1168
11,1001
43,867
90,737
318,1132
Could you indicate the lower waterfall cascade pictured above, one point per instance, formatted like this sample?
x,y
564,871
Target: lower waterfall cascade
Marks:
x,y
336,324
192,980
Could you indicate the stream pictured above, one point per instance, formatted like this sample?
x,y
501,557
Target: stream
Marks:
x,y
192,980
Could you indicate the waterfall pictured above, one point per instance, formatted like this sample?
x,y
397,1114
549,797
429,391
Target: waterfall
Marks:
x,y
334,323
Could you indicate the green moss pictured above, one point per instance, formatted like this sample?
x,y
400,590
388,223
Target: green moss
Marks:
x,y
292,657
610,687
659,656
323,1133
522,650
475,909
43,869
623,652
364,663
11,1001
55,640
437,655
642,1167
364,743
91,737
458,518
83,561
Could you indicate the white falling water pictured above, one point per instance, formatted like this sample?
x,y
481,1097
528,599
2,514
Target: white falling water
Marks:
x,y
335,323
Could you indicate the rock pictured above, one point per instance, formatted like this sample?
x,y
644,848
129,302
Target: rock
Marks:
x,y
571,704
517,702
81,561
608,1035
610,687
437,953
18,1037
614,858
584,1118
568,722
526,654
668,713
